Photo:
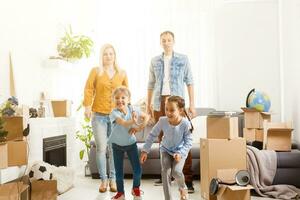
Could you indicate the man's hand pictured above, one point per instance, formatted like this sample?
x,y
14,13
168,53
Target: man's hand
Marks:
x,y
88,112
143,157
177,157
192,112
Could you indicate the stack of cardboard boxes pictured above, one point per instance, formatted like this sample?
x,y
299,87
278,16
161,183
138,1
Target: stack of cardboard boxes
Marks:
x,y
222,152
14,153
273,136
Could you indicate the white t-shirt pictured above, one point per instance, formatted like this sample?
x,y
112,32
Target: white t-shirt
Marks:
x,y
166,81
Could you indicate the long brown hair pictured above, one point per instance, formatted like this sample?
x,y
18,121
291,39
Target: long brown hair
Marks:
x,y
181,104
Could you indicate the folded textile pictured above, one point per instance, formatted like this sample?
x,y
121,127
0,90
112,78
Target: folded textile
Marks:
x,y
262,165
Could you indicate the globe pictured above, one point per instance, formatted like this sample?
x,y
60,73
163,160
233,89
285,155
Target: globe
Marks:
x,y
258,100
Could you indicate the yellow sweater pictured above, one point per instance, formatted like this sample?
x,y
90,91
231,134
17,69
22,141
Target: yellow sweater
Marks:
x,y
98,90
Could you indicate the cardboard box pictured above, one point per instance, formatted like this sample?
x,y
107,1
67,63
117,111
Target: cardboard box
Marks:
x,y
41,190
3,156
222,127
253,134
229,192
14,191
61,108
278,136
16,153
219,154
255,119
15,126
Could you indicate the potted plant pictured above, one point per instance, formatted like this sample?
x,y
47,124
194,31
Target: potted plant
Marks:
x,y
3,133
73,47
85,135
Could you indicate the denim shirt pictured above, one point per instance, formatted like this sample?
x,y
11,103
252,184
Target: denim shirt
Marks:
x,y
176,139
180,74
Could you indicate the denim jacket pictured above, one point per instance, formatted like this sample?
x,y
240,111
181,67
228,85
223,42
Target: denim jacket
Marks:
x,y
180,73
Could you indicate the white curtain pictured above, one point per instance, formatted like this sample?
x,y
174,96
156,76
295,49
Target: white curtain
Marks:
x,y
134,26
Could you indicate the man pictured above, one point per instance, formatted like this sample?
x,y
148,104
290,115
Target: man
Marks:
x,y
169,73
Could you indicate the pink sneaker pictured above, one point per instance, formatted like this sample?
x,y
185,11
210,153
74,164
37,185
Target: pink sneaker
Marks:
x,y
119,196
136,192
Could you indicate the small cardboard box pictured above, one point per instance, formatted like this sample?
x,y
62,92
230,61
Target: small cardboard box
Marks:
x,y
253,134
222,127
41,190
14,126
229,192
255,119
61,108
278,136
14,191
219,154
17,153
3,156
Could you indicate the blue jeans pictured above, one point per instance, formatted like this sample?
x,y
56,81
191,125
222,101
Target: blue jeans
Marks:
x,y
133,156
101,129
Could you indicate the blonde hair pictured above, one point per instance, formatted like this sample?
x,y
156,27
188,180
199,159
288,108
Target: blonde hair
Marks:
x,y
103,48
121,89
167,32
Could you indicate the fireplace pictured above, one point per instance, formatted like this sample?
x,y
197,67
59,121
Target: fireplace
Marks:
x,y
54,150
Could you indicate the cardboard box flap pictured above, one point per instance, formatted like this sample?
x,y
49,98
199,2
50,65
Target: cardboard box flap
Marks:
x,y
254,110
280,130
237,187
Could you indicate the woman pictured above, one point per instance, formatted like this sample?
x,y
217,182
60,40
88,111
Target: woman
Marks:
x,y
98,104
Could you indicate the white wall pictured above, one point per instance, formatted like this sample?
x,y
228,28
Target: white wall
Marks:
x,y
247,52
30,31
291,62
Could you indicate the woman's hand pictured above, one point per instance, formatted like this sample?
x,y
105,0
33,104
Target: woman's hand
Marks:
x,y
88,112
143,157
177,157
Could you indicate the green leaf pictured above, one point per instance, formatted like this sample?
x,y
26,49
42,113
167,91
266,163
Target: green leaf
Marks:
x,y
81,154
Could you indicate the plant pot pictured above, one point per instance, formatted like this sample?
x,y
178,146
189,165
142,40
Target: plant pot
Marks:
x,y
87,171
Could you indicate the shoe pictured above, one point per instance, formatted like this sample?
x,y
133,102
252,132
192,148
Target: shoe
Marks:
x,y
103,186
136,192
190,187
112,186
158,182
119,196
184,194
172,180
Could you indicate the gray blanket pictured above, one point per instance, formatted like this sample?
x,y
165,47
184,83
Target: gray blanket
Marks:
x,y
262,165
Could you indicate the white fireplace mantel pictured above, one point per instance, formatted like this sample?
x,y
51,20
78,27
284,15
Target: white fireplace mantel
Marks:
x,y
41,128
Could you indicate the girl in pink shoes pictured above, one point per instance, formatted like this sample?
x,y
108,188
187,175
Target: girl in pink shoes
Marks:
x,y
175,144
124,120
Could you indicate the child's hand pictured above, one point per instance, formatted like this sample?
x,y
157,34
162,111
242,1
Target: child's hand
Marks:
x,y
143,157
133,130
177,157
134,117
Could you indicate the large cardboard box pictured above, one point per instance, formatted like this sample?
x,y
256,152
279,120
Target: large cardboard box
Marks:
x,y
255,119
222,127
3,156
253,134
16,153
278,136
41,190
15,126
220,154
61,108
14,191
